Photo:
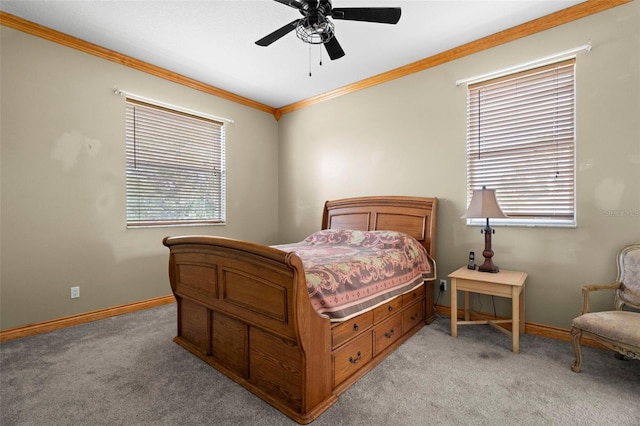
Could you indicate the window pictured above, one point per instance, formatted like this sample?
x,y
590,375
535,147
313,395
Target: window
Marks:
x,y
521,142
175,167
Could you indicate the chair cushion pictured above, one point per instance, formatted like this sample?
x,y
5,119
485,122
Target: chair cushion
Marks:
x,y
621,326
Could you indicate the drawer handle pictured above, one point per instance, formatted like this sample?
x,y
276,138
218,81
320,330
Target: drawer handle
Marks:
x,y
415,294
355,327
390,334
354,360
413,317
390,308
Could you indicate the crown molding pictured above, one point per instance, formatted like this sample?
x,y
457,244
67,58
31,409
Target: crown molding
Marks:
x,y
49,34
552,20
581,10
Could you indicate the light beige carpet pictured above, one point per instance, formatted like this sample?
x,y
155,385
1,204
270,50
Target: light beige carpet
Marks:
x,y
127,371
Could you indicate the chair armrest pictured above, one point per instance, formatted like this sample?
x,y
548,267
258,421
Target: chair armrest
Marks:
x,y
595,287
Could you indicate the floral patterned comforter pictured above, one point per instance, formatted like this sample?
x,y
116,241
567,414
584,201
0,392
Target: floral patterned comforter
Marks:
x,y
349,272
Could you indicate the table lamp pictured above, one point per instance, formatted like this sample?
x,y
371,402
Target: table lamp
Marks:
x,y
484,205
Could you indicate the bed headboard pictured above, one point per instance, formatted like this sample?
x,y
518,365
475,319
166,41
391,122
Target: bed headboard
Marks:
x,y
415,216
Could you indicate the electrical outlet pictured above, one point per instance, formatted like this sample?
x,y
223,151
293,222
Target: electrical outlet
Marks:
x,y
443,285
75,292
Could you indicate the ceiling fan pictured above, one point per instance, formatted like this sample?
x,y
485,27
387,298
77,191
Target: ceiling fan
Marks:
x,y
315,27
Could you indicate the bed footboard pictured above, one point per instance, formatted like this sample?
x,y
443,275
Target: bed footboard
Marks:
x,y
244,308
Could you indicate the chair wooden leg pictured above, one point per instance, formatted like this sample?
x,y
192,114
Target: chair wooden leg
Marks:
x,y
576,335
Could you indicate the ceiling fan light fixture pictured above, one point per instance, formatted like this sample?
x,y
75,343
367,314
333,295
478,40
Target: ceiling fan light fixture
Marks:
x,y
315,30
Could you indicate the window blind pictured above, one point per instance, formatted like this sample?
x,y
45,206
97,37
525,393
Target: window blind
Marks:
x,y
175,167
521,141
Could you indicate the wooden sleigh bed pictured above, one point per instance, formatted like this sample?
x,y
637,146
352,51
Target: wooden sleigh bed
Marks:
x,y
245,309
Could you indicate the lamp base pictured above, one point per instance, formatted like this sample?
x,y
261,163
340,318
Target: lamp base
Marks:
x,y
488,266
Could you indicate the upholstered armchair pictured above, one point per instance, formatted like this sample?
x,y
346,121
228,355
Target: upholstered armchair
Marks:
x,y
618,329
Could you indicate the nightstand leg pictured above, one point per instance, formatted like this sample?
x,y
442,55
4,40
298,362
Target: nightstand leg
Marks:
x,y
515,318
466,306
454,308
522,310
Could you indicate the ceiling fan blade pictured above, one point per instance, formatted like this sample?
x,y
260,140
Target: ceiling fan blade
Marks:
x,y
333,48
383,15
292,3
277,34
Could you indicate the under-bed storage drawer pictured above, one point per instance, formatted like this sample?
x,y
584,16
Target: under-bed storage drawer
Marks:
x,y
346,330
413,295
349,358
387,332
389,308
412,316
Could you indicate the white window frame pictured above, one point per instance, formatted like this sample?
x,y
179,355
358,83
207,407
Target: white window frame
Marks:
x,y
175,168
510,122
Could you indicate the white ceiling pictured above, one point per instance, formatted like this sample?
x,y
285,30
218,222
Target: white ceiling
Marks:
x,y
213,41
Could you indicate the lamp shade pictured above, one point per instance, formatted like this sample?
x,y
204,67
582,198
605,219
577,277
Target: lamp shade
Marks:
x,y
484,205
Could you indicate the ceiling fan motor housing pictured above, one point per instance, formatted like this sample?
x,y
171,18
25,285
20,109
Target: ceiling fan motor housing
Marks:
x,y
315,27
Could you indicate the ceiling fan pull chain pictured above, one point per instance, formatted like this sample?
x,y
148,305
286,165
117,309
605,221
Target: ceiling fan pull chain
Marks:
x,y
310,60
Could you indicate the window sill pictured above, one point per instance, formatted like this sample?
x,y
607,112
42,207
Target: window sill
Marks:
x,y
173,225
531,223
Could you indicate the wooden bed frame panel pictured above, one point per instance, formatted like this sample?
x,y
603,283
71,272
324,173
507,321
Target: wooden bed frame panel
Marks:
x,y
244,308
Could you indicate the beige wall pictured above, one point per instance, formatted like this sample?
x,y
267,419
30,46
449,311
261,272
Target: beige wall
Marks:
x,y
62,205
407,137
63,182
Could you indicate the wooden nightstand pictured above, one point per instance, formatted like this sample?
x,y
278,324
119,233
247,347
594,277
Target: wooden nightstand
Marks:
x,y
508,284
